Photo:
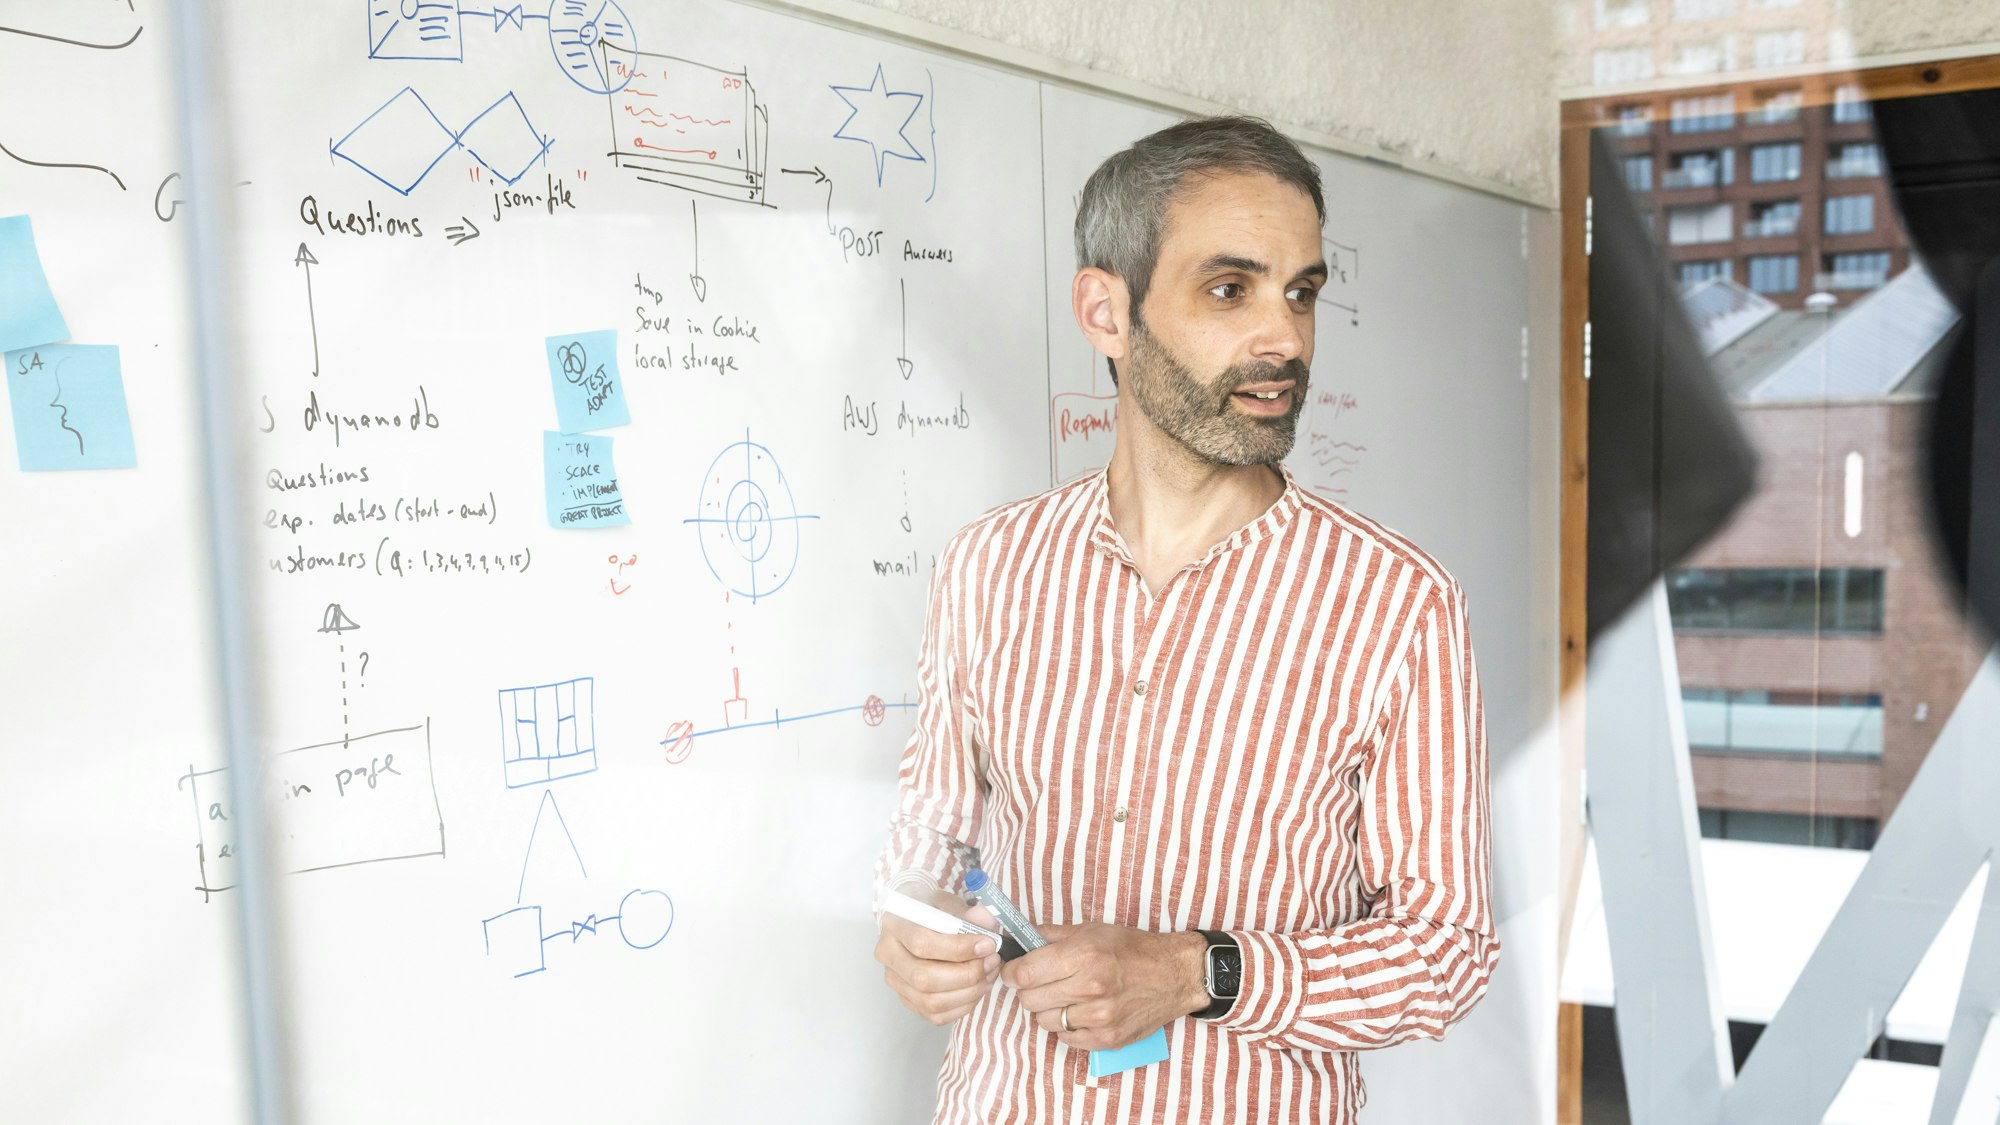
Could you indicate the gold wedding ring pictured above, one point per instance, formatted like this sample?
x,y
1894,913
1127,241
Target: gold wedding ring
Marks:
x,y
1065,1020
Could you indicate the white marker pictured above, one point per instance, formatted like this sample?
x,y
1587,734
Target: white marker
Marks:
x,y
931,918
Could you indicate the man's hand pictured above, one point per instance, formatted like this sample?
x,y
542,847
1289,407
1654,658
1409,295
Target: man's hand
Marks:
x,y
1118,984
939,976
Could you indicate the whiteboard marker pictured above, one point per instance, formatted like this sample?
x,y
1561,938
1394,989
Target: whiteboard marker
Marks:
x,y
1010,917
931,918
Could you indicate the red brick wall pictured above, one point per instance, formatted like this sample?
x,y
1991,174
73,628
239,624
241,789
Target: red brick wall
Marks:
x,y
1927,652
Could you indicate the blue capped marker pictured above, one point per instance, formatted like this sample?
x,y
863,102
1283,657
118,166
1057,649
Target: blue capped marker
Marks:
x,y
1004,911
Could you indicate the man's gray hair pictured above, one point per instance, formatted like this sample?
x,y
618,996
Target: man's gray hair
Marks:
x,y
1122,214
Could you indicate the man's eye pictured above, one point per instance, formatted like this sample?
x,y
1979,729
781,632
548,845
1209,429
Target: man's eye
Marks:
x,y
1303,294
1228,291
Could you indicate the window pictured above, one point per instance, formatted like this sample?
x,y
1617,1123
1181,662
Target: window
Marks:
x,y
1706,57
1850,160
1778,48
1770,163
1762,827
1704,168
1774,273
1694,273
1777,219
1638,172
1775,107
1689,10
1625,64
1702,115
1621,13
1850,214
1777,722
1849,106
1776,600
1708,222
1633,120
1856,271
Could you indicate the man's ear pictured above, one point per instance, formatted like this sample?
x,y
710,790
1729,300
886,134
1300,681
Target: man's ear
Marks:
x,y
1102,306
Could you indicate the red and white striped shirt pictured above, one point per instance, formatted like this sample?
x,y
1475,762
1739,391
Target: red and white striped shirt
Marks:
x,y
1284,742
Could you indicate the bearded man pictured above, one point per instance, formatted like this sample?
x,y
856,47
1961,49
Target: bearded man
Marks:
x,y
1219,738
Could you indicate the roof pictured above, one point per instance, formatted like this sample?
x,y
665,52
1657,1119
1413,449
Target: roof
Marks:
x,y
1722,311
1868,351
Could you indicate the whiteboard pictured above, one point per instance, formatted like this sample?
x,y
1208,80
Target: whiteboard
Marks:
x,y
580,819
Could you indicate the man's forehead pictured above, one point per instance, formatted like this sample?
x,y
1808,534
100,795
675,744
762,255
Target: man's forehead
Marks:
x,y
1233,213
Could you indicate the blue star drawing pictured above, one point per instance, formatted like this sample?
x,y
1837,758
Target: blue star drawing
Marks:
x,y
878,119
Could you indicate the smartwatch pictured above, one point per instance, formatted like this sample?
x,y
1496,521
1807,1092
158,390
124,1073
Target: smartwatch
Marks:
x,y
1224,974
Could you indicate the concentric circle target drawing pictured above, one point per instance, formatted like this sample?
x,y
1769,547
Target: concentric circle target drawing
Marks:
x,y
581,33
747,521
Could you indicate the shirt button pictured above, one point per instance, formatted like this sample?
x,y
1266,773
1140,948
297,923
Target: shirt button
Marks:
x,y
1139,688
1118,814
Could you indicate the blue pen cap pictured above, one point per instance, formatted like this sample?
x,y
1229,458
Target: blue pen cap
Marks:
x,y
974,880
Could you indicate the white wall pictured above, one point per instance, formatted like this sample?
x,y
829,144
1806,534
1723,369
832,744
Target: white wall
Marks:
x,y
1469,86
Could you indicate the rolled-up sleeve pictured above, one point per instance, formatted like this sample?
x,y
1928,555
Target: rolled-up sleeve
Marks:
x,y
1427,949
940,795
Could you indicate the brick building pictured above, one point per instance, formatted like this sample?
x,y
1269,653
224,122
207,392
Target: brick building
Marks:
x,y
1774,184
1821,642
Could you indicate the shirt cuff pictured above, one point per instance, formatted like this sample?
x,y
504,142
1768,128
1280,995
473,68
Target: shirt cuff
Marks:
x,y
1274,987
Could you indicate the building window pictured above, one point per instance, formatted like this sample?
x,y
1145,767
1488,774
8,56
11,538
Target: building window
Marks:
x,y
1776,600
1694,273
1702,115
1778,722
1700,169
1762,827
1771,163
1856,271
1778,218
1707,222
1778,48
1850,214
1849,106
1624,64
1632,120
1687,11
1621,13
1638,172
1774,273
1706,57
1775,107
1847,161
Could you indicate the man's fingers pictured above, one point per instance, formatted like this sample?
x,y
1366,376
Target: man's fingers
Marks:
x,y
980,916
933,946
938,1007
1041,967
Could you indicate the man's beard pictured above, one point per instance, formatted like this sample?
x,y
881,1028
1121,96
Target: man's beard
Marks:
x,y
1200,415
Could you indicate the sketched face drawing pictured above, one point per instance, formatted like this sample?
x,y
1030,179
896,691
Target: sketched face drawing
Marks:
x,y
1233,293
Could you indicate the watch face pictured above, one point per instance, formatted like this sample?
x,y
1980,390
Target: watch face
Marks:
x,y
1225,971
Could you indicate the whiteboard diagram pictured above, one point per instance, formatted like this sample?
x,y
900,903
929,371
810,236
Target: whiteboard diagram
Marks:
x,y
679,123
747,522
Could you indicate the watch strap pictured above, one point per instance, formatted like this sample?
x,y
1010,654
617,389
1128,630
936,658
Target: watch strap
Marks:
x,y
1220,944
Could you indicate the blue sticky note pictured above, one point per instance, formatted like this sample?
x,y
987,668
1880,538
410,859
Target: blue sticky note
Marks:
x,y
69,408
582,485
583,368
1151,1049
28,313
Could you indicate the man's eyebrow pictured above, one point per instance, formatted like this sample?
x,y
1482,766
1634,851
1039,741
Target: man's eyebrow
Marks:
x,y
1217,262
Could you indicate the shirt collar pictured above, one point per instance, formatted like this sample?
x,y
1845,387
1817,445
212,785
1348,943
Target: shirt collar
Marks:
x,y
1104,536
